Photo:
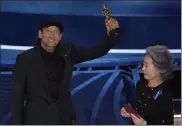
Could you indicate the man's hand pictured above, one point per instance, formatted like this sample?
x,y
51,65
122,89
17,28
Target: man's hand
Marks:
x,y
111,24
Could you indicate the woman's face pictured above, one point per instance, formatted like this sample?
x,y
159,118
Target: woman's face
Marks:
x,y
148,69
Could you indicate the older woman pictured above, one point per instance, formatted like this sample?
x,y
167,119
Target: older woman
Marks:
x,y
153,97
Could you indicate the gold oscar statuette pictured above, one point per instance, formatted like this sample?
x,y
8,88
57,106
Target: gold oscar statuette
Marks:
x,y
106,13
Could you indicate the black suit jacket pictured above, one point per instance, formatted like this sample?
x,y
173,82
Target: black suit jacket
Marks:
x,y
30,82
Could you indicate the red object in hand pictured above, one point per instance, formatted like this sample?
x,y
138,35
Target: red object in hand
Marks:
x,y
130,110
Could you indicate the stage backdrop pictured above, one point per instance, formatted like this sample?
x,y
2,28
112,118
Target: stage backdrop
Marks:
x,y
143,23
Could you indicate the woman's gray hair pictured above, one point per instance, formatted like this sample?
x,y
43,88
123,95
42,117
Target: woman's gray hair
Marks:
x,y
162,60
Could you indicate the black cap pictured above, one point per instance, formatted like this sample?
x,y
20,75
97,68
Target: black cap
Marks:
x,y
51,22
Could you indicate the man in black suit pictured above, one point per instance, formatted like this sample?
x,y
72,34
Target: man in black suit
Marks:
x,y
42,75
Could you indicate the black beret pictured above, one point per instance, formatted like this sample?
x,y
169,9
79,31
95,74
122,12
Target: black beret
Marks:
x,y
51,22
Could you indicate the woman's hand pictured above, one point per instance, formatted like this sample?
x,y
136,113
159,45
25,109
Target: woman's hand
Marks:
x,y
124,113
138,121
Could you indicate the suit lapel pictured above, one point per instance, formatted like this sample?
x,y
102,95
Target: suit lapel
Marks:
x,y
61,52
